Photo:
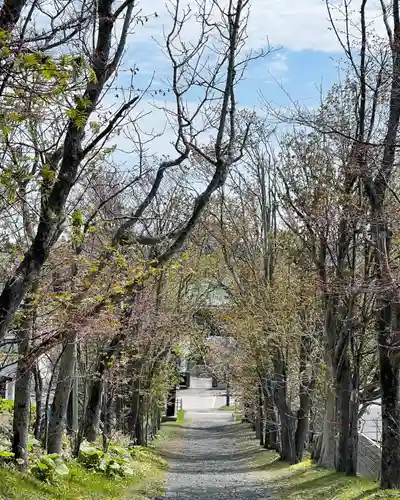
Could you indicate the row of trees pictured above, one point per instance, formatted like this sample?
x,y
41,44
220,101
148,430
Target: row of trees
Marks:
x,y
298,228
307,231
92,237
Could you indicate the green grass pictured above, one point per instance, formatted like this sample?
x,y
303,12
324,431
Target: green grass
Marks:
x,y
227,408
180,416
83,485
307,481
233,409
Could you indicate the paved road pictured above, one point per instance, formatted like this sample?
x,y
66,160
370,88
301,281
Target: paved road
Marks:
x,y
201,396
213,461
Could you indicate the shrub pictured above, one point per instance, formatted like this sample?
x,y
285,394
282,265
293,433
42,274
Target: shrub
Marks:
x,y
6,457
6,406
50,469
116,463
92,458
119,467
33,443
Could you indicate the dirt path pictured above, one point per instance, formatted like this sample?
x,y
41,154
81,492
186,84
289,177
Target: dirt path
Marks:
x,y
213,462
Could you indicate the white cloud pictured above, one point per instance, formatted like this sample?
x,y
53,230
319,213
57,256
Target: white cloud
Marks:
x,y
293,24
277,65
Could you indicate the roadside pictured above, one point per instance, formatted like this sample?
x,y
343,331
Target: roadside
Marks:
x,y
307,481
144,470
211,457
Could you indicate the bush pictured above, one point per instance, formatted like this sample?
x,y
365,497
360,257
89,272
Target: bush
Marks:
x,y
6,457
92,458
119,467
116,463
33,443
50,469
6,406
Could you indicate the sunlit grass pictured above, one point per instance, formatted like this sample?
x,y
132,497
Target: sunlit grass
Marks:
x,y
307,481
81,484
227,408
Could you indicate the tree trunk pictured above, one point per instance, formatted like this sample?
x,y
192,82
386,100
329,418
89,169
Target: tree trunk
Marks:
x,y
158,418
44,432
287,419
22,397
10,12
139,428
93,406
171,402
119,407
344,460
271,424
302,427
353,431
228,395
328,440
389,364
38,401
261,419
134,412
305,388
107,416
72,409
317,448
93,410
62,392
288,443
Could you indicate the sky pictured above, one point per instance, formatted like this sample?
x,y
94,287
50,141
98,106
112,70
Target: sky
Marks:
x,y
303,62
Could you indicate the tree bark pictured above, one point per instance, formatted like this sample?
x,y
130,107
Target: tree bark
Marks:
x,y
271,424
171,402
389,364
93,410
134,411
343,460
287,418
107,416
93,406
305,388
38,401
328,440
72,409
302,426
261,419
62,392
228,395
10,12
22,397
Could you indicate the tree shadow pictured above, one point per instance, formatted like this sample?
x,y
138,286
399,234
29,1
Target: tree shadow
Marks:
x,y
366,494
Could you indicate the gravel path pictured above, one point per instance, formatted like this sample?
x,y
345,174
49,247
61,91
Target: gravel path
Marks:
x,y
213,461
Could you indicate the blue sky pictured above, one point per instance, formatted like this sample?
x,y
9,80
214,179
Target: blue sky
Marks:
x,y
304,60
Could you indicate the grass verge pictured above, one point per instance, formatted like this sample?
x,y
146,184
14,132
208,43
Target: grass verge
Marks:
x,y
81,484
180,416
307,481
227,408
234,410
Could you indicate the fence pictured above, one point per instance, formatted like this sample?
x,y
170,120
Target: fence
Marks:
x,y
368,458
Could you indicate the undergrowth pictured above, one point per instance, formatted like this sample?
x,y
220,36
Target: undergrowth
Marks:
x,y
308,481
